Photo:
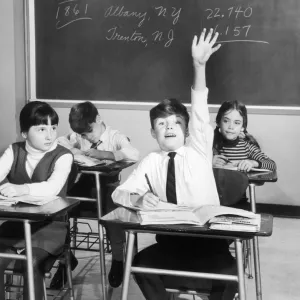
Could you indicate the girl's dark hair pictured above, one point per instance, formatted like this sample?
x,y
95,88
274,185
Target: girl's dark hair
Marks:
x,y
37,113
82,116
169,107
226,107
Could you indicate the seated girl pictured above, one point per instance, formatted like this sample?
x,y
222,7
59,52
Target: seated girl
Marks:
x,y
37,167
233,146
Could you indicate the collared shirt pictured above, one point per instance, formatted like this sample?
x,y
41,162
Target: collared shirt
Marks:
x,y
56,181
111,140
195,183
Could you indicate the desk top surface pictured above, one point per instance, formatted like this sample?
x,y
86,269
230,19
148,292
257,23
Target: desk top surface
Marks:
x,y
129,220
262,177
52,209
109,169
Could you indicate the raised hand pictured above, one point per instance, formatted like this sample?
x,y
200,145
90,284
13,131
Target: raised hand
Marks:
x,y
204,48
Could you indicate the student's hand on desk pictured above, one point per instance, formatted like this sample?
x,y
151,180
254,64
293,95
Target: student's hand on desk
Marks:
x,y
247,164
13,190
99,154
148,201
219,161
202,50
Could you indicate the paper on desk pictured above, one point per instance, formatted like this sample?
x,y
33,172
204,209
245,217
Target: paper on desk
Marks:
x,y
162,206
9,201
87,161
235,168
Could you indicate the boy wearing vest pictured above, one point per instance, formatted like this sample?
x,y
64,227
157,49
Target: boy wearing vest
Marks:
x,y
181,173
92,137
36,167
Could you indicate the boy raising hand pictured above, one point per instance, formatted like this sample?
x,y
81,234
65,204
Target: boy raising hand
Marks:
x,y
181,173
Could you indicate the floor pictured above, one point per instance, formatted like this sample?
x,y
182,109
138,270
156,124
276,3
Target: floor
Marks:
x,y
280,262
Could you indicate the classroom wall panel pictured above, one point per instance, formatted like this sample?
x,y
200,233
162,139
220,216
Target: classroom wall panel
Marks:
x,y
7,75
12,72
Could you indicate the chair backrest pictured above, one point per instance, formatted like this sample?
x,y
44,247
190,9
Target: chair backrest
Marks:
x,y
231,185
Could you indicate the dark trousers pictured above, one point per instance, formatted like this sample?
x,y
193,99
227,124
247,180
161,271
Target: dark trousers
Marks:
x,y
86,187
41,259
186,254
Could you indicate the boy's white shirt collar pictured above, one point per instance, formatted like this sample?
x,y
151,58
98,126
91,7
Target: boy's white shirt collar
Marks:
x,y
179,151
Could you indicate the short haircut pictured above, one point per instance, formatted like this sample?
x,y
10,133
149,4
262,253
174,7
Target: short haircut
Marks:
x,y
82,116
37,113
169,107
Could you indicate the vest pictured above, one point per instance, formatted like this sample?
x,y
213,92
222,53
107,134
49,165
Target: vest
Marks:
x,y
49,236
43,170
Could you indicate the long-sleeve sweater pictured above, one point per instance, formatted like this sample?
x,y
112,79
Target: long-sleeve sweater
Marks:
x,y
241,149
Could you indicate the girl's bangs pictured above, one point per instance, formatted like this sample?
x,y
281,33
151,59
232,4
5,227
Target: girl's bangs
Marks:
x,y
42,118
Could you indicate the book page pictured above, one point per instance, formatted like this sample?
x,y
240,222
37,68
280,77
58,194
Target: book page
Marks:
x,y
206,212
163,206
87,161
27,199
167,217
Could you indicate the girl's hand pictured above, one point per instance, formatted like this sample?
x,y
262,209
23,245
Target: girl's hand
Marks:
x,y
246,165
13,190
202,50
148,201
219,161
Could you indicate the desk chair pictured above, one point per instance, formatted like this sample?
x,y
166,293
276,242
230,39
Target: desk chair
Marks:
x,y
231,186
14,277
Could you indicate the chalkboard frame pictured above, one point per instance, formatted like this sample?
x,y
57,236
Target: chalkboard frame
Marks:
x,y
30,64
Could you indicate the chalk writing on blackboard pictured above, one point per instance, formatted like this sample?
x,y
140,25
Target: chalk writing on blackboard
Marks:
x,y
70,11
233,23
137,35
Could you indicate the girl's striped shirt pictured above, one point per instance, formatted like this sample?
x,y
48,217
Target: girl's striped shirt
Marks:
x,y
241,149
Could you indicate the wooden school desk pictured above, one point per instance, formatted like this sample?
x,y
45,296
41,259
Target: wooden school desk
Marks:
x,y
258,179
28,214
130,223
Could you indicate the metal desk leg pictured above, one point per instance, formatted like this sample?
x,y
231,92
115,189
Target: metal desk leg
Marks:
x,y
128,263
102,262
28,248
255,247
240,269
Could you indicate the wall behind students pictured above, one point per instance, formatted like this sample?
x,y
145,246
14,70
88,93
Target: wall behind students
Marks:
x,y
12,69
277,134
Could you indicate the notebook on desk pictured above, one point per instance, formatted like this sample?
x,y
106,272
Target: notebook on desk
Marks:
x,y
9,201
87,161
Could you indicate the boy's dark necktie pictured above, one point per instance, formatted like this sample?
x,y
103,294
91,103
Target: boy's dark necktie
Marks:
x,y
95,145
171,185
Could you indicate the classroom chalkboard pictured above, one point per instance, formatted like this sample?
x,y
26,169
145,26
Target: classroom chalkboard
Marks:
x,y
139,50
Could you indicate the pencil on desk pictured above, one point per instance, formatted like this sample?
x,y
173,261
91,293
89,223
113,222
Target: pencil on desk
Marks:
x,y
149,184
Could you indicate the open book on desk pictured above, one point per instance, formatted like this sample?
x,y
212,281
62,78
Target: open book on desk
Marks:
x,y
87,161
9,201
215,217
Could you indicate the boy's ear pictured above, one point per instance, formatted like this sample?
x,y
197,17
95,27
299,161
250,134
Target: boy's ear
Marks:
x,y
24,135
98,119
187,132
153,133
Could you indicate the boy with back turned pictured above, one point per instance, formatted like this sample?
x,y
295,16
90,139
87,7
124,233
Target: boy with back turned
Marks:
x,y
181,173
